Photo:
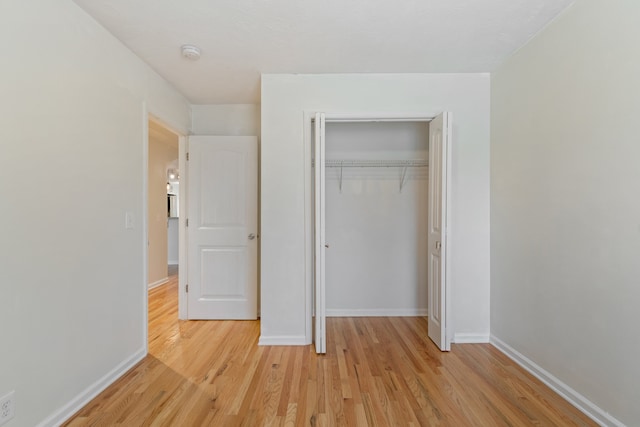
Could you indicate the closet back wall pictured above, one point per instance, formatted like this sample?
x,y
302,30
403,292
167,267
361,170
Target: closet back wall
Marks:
x,y
377,235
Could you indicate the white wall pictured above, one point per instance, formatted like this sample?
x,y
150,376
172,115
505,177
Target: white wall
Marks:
x,y
72,133
172,241
375,264
226,119
286,202
565,205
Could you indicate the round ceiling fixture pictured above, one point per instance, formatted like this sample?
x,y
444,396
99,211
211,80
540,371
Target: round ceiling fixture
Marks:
x,y
191,52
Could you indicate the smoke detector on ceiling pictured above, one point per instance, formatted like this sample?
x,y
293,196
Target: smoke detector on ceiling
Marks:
x,y
191,52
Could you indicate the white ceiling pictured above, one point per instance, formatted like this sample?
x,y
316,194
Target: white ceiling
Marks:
x,y
240,39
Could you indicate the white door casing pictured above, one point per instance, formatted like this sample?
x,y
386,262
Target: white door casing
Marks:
x,y
222,231
320,319
439,162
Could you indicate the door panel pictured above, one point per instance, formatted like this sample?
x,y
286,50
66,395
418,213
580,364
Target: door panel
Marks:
x,y
224,180
320,318
223,273
222,213
439,158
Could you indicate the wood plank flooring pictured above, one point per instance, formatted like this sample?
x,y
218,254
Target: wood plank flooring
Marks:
x,y
377,372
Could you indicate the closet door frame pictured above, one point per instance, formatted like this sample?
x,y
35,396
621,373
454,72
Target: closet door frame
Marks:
x,y
309,185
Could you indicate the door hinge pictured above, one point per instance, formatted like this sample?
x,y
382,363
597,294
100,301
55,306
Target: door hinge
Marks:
x,y
187,156
186,222
187,288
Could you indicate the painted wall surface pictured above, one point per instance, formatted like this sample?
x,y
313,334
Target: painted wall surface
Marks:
x,y
163,154
172,241
286,197
72,144
565,210
377,235
226,119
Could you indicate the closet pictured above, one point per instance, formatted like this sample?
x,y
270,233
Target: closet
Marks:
x,y
376,218
374,255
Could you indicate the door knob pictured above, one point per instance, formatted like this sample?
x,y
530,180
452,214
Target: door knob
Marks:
x,y
252,236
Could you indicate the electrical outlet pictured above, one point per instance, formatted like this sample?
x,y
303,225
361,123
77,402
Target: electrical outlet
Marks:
x,y
7,407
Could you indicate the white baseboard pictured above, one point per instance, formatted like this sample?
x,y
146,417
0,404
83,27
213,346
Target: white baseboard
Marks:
x,y
172,263
590,409
377,312
78,402
283,340
466,338
158,283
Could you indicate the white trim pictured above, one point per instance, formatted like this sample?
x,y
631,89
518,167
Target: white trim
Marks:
x,y
283,340
183,267
78,402
377,312
471,338
589,408
173,262
378,117
158,283
307,130
448,195
146,116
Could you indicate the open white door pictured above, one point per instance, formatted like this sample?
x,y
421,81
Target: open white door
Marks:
x,y
320,319
222,227
439,158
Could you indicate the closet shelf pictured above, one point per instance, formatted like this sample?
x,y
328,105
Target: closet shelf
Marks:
x,y
404,164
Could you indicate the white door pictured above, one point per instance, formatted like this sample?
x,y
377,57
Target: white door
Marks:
x,y
320,319
439,158
222,227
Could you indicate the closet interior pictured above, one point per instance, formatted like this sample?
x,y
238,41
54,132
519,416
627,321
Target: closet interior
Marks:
x,y
376,188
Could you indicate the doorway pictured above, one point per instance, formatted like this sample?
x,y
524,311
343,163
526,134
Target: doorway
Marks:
x,y
376,219
163,209
388,261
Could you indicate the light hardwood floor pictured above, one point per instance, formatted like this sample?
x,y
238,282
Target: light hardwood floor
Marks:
x,y
377,372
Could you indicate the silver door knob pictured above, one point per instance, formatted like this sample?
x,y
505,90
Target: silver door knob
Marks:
x,y
252,236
